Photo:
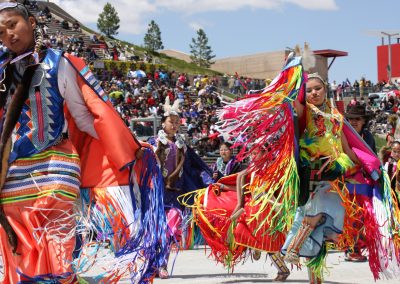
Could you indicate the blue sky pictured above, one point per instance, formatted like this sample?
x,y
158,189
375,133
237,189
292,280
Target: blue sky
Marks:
x,y
246,27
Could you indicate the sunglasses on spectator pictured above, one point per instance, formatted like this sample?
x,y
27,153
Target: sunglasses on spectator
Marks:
x,y
6,5
12,5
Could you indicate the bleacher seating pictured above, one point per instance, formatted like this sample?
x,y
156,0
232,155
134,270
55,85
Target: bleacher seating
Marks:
x,y
58,15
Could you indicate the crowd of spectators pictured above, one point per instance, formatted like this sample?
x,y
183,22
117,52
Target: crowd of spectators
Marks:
x,y
73,42
141,97
360,88
144,97
138,97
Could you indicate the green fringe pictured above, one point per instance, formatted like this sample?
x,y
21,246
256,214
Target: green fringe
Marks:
x,y
318,263
229,261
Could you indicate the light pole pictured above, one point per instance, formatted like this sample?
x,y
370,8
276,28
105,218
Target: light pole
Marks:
x,y
389,67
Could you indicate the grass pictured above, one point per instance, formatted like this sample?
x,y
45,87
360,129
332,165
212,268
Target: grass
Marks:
x,y
183,66
175,64
379,142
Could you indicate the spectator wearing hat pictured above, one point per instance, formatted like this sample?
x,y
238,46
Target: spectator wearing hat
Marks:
x,y
358,117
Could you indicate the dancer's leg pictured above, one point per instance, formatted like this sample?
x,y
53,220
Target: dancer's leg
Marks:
x,y
305,230
283,270
174,221
312,277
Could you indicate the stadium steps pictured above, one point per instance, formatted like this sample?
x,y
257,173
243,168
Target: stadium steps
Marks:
x,y
59,14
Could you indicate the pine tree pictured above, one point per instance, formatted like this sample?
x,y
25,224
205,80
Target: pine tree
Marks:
x,y
152,39
201,52
108,21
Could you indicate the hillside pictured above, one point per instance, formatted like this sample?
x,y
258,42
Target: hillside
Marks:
x,y
158,58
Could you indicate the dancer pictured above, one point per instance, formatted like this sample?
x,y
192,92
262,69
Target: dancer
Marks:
x,y
55,139
392,168
324,157
183,171
327,208
258,240
232,224
260,225
328,149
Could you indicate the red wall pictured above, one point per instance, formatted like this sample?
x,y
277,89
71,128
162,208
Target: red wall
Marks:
x,y
383,58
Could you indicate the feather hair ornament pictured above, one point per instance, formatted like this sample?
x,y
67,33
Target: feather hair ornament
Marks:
x,y
171,109
308,58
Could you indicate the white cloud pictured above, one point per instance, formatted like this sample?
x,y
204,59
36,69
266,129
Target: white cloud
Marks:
x,y
197,6
315,4
130,12
133,13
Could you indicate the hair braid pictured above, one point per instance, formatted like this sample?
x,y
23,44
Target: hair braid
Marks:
x,y
38,36
12,115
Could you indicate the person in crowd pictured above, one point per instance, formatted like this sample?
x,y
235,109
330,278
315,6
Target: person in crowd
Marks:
x,y
76,26
65,24
391,164
226,164
231,84
60,151
357,116
95,39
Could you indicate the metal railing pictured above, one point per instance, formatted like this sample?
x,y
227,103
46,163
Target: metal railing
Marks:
x,y
143,132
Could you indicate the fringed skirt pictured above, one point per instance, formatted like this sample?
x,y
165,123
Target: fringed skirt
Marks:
x,y
38,199
228,240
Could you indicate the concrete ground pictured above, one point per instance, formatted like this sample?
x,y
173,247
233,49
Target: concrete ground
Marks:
x,y
193,266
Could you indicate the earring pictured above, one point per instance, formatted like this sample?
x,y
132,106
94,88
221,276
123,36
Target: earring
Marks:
x,y
163,125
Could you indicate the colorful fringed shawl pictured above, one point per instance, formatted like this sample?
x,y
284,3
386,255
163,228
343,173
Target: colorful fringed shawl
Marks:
x,y
264,121
124,203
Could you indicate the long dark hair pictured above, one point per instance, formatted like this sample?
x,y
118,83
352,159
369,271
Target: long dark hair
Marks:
x,y
12,114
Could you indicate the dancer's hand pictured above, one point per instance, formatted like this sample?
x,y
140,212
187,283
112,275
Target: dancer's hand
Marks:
x,y
219,185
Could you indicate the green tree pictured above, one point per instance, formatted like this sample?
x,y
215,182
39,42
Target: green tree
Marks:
x,y
200,51
108,21
152,39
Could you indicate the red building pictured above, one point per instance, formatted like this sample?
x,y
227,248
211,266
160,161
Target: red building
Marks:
x,y
383,60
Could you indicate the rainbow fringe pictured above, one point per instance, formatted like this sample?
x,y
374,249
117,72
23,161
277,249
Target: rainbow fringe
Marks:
x,y
132,220
265,121
215,227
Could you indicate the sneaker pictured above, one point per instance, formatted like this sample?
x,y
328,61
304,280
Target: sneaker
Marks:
x,y
163,273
